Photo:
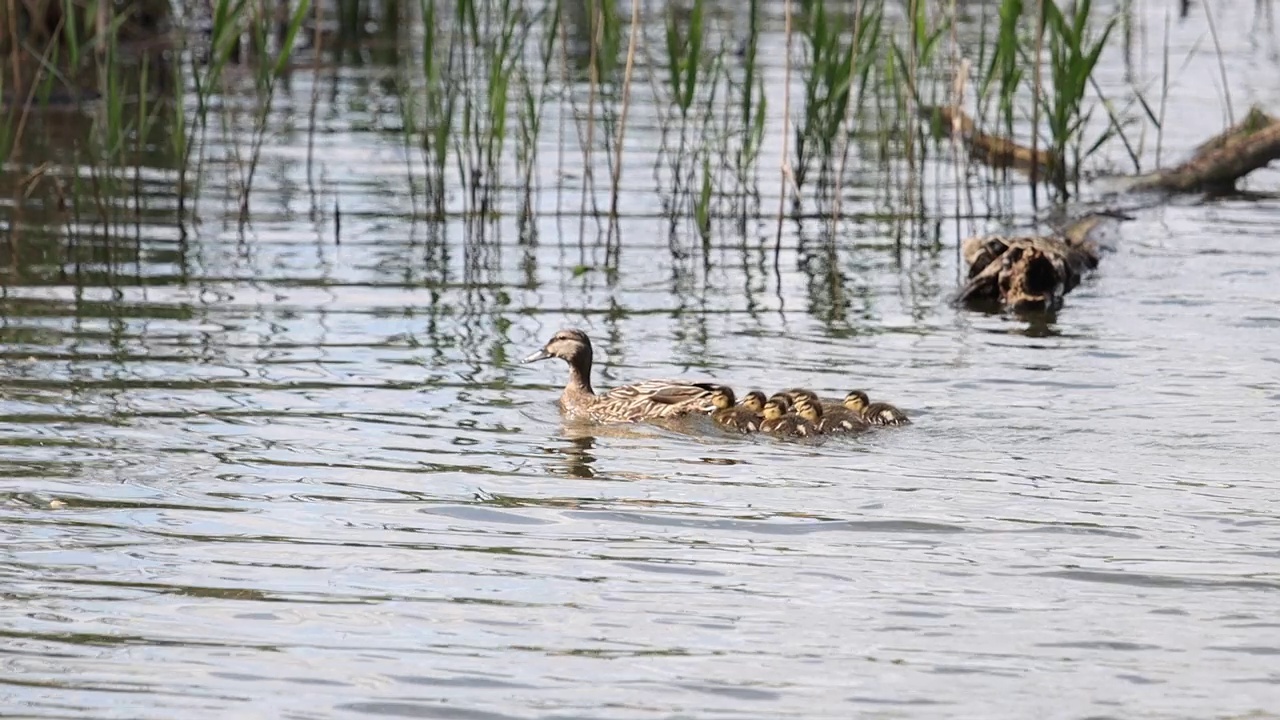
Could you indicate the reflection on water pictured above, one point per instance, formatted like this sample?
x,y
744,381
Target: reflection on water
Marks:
x,y
260,474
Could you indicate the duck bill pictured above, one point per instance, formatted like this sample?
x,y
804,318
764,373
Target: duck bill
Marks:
x,y
535,357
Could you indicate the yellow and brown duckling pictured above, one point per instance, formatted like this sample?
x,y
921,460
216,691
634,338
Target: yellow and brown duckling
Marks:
x,y
783,400
839,419
774,414
780,422
809,411
740,417
649,400
836,418
753,401
795,394
876,413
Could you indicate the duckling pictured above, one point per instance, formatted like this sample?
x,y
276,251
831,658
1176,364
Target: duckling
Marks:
x,y
733,417
778,422
795,394
753,401
875,413
810,414
783,400
774,414
649,400
837,418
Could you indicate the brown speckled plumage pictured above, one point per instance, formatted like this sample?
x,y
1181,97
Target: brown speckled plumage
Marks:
x,y
648,400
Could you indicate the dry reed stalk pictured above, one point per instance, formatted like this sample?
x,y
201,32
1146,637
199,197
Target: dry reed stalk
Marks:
x,y
588,176
1222,67
844,128
626,105
786,132
1035,105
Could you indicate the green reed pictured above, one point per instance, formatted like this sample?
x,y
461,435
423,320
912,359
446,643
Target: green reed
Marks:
x,y
1073,52
916,63
601,29
533,90
752,100
838,63
108,137
267,72
474,92
702,207
502,54
684,55
687,75
607,34
492,35
435,101
206,78
1004,72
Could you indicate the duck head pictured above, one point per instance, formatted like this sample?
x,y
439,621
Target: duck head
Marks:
x,y
773,410
569,345
794,395
722,398
856,401
808,410
573,347
754,401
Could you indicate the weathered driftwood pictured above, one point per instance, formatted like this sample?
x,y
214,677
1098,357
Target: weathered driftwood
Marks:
x,y
1031,272
991,150
1219,162
1035,272
1215,166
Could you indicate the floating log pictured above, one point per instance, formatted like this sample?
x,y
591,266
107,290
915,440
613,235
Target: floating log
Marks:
x,y
1215,166
1030,272
1219,162
991,150
1034,272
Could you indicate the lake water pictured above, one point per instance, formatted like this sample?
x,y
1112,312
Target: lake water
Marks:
x,y
262,475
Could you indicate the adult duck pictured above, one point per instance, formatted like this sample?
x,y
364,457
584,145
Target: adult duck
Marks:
x,y
648,400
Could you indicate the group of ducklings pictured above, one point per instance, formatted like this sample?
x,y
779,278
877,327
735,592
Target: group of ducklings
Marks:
x,y
796,412
800,413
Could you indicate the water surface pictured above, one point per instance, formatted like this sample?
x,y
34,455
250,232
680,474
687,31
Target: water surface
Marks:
x,y
254,473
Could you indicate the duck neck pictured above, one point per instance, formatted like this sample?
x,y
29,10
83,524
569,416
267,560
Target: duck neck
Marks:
x,y
580,376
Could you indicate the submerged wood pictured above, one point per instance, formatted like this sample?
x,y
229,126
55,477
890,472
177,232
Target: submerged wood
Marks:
x,y
1219,162
991,150
1029,272
1216,165
1034,272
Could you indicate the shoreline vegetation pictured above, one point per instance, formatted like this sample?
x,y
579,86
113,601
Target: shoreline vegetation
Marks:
x,y
93,92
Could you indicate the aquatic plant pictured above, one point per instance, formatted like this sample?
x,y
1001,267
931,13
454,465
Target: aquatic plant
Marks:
x,y
267,73
840,51
1004,73
1073,51
684,61
474,80
534,89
